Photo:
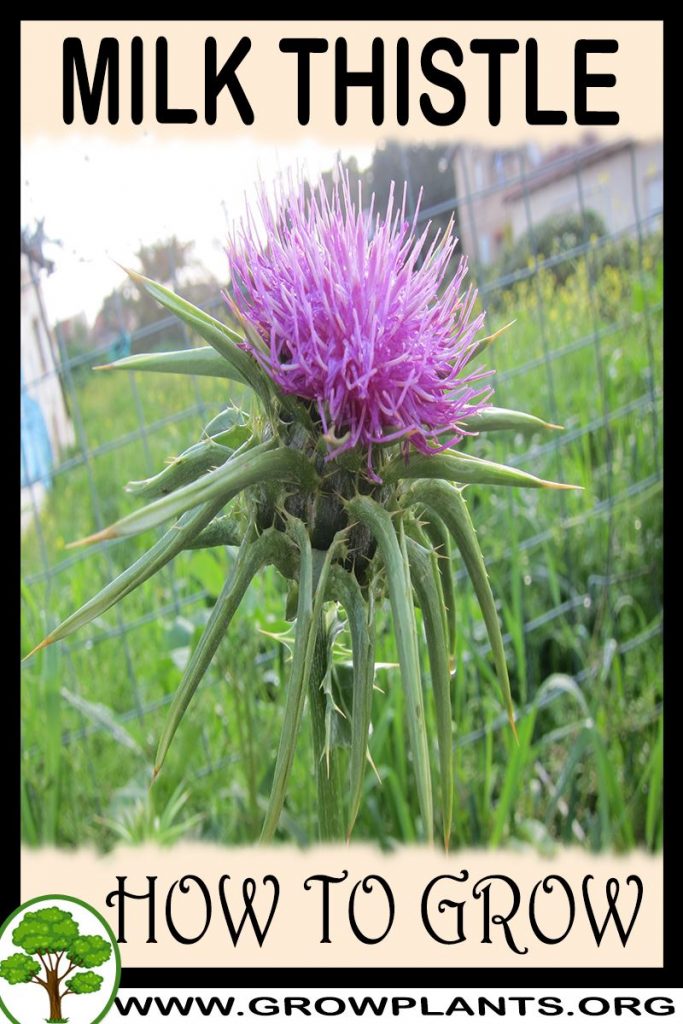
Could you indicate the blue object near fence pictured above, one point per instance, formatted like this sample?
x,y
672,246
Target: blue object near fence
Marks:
x,y
36,450
120,347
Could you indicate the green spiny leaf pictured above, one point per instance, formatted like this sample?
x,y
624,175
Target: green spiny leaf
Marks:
x,y
449,504
197,362
426,579
492,418
222,532
378,521
306,630
484,343
264,463
194,462
224,340
253,554
165,549
344,588
440,540
336,724
463,469
227,419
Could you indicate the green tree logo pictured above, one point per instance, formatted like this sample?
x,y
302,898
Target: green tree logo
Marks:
x,y
57,956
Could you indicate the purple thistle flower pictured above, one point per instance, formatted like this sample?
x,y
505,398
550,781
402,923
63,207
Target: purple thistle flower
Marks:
x,y
341,310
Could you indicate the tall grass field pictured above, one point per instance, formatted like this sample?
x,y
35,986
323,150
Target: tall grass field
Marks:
x,y
578,578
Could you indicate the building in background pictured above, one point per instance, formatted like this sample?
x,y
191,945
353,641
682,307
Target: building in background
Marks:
x,y
622,182
502,192
46,428
481,177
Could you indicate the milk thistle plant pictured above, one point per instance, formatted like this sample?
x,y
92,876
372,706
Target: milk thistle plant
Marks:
x,y
346,476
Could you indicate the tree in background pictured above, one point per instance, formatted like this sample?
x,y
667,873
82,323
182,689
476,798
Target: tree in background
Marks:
x,y
52,936
420,165
552,238
168,261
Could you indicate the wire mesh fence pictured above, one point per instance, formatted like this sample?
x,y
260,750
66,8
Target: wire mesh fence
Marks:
x,y
613,422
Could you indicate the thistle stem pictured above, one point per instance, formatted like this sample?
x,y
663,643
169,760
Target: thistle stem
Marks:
x,y
328,762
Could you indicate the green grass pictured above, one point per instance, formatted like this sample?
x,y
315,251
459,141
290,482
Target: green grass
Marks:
x,y
578,578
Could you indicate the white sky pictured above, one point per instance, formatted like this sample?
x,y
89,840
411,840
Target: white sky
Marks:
x,y
102,199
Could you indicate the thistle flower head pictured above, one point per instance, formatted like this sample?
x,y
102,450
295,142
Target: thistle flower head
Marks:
x,y
347,309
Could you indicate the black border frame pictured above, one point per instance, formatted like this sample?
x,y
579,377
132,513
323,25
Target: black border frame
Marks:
x,y
258,978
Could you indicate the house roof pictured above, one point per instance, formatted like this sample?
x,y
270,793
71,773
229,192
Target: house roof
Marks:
x,y
562,162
